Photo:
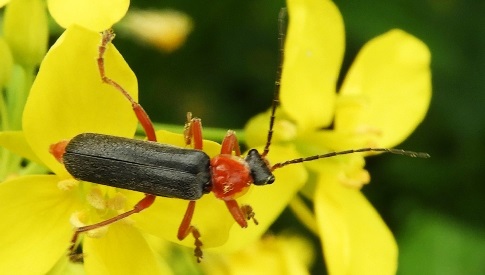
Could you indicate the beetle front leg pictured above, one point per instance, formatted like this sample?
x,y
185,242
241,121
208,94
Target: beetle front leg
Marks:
x,y
241,214
245,212
142,116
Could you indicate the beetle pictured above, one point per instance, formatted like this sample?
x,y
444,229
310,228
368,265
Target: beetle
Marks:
x,y
168,171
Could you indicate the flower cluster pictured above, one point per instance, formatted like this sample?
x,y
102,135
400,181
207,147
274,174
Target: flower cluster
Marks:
x,y
383,98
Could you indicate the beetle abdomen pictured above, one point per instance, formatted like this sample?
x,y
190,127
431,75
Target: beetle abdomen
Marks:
x,y
143,166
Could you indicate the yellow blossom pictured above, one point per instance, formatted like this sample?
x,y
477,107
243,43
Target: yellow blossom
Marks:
x,y
68,98
166,29
384,96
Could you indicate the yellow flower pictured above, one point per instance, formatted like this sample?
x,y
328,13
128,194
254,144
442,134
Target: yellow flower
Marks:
x,y
165,29
68,98
282,254
384,96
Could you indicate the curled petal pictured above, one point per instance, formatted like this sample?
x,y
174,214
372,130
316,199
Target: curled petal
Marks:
x,y
92,14
15,141
354,237
68,97
313,54
34,216
387,90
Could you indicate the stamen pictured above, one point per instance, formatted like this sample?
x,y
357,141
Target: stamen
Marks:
x,y
67,184
96,198
356,180
117,202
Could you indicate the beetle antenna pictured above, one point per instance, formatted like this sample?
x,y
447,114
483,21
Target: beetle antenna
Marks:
x,y
276,97
333,154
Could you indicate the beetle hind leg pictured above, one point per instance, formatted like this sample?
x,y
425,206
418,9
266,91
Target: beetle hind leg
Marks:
x,y
186,228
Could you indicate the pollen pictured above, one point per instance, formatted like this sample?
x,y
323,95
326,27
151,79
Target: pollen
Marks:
x,y
68,184
355,179
96,199
77,219
117,202
98,232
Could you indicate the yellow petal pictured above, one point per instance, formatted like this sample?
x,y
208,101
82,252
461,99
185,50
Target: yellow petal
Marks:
x,y
313,54
68,97
256,129
96,15
15,141
283,254
163,219
34,225
3,2
123,250
387,90
355,239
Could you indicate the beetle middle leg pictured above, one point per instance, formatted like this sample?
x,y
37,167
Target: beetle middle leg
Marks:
x,y
192,134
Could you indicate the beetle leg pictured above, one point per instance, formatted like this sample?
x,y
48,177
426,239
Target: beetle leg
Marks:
x,y
237,213
230,144
241,214
186,228
245,212
193,131
107,37
249,213
140,206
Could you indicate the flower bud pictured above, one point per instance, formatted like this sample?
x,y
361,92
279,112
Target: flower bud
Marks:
x,y
6,62
26,31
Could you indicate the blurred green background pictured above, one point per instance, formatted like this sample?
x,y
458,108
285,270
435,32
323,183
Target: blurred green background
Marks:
x,y
225,74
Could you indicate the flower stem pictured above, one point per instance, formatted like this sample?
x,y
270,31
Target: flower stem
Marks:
x,y
210,133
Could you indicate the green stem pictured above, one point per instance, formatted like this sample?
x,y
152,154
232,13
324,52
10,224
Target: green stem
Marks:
x,y
210,133
33,168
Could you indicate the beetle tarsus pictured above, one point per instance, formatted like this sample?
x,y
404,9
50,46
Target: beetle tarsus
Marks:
x,y
249,213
